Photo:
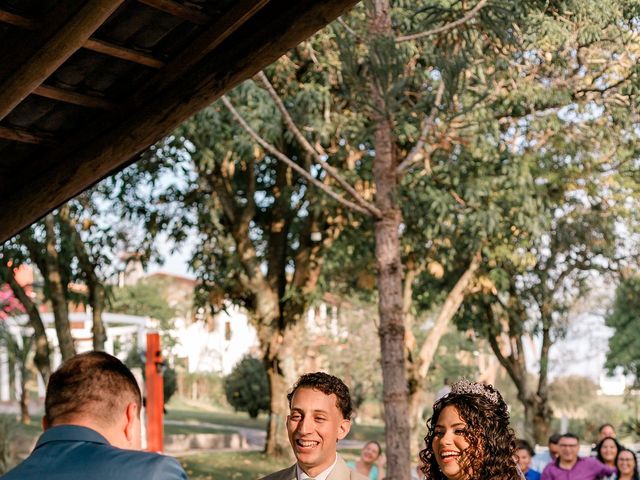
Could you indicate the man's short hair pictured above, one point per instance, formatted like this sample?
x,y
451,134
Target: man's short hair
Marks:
x,y
327,384
522,444
555,438
93,384
570,435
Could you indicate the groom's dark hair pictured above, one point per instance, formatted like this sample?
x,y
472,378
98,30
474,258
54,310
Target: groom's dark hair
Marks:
x,y
327,384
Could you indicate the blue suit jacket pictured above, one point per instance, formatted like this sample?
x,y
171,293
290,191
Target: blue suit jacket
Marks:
x,y
71,452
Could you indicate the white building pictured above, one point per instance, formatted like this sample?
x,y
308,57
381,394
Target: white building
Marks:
x,y
123,331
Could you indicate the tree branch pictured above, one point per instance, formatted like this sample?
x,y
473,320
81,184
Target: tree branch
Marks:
x,y
351,31
413,155
449,26
371,211
293,128
447,311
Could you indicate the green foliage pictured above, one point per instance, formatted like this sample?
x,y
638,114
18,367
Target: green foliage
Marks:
x,y
454,358
201,386
147,298
6,438
247,387
624,344
570,394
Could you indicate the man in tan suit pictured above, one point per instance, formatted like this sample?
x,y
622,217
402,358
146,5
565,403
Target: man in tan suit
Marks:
x,y
320,412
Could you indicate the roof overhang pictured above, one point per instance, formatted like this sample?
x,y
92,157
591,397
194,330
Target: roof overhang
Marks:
x,y
87,85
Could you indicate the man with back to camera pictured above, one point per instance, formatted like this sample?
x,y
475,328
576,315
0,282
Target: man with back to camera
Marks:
x,y
320,415
569,466
92,427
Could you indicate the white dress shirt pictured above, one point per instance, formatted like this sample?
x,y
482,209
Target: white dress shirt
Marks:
x,y
300,475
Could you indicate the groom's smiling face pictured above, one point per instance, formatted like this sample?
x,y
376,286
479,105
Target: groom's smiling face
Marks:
x,y
315,424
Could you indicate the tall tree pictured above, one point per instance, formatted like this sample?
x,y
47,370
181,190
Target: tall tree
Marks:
x,y
624,351
42,358
263,232
580,148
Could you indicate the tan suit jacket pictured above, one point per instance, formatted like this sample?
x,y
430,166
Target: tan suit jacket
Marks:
x,y
339,472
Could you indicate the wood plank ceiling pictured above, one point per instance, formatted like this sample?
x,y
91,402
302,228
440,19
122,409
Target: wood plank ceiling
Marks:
x,y
86,85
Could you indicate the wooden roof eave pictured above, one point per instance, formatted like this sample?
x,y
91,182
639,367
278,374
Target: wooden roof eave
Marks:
x,y
177,94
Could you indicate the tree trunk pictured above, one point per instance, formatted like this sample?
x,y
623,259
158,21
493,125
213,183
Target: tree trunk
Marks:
x,y
277,439
389,265
25,419
42,358
96,289
419,368
97,307
417,401
537,414
57,292
273,343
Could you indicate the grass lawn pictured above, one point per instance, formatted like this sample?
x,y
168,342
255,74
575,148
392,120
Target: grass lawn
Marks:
x,y
200,413
230,465
184,429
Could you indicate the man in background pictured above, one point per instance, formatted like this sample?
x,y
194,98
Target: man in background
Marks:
x,y
570,466
92,427
542,459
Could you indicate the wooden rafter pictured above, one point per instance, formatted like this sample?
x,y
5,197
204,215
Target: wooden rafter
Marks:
x,y
67,41
25,136
179,10
93,44
123,53
111,143
214,35
68,96
17,20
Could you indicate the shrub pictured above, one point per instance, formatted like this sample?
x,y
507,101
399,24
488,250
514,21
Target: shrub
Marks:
x,y
247,387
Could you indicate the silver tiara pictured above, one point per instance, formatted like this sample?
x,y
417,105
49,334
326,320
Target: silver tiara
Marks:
x,y
465,386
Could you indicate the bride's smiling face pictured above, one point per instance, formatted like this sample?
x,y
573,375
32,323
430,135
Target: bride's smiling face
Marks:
x,y
449,443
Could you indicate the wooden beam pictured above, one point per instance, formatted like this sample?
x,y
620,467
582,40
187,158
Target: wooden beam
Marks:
x,y
92,44
123,53
24,136
65,43
179,10
69,96
73,167
17,20
223,26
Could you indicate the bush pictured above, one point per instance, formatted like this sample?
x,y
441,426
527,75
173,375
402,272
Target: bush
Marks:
x,y
247,387
7,428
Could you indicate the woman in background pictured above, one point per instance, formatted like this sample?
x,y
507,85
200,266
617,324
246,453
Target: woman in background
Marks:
x,y
607,452
627,465
524,454
366,463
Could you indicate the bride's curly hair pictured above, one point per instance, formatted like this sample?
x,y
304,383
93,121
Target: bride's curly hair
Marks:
x,y
492,444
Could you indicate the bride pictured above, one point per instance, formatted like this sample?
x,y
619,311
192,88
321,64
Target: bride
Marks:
x,y
469,437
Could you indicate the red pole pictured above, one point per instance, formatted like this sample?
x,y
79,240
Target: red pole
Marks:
x,y
155,396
